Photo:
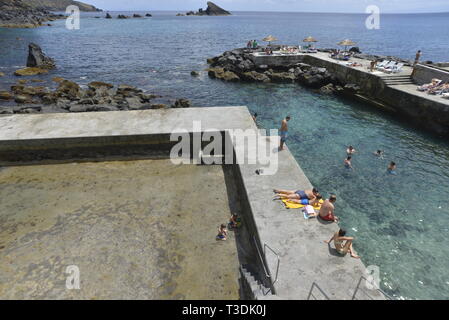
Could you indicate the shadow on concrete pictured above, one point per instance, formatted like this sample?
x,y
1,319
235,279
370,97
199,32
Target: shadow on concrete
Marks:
x,y
334,252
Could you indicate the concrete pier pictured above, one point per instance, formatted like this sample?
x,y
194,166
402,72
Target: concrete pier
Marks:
x,y
290,256
394,92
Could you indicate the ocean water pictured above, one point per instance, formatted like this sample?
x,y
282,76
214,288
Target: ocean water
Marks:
x,y
400,222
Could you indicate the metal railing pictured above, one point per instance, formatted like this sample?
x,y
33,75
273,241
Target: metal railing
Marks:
x,y
367,294
265,268
315,285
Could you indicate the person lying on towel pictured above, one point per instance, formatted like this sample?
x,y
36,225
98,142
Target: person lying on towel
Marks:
x,y
303,197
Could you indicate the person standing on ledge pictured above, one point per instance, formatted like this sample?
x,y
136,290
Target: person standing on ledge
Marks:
x,y
417,58
284,132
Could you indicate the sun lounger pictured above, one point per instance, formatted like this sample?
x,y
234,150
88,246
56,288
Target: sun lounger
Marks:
x,y
382,64
387,67
397,68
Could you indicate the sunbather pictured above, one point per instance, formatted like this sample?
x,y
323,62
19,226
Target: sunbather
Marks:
x,y
309,195
433,84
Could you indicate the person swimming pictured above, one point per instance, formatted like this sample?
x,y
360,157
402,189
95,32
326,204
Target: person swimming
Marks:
x,y
379,153
347,162
392,168
350,150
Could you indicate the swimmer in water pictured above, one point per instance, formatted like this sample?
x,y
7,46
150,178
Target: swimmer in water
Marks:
x,y
350,150
379,153
348,164
392,168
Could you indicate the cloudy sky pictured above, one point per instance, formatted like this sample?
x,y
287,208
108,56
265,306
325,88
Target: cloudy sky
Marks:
x,y
386,6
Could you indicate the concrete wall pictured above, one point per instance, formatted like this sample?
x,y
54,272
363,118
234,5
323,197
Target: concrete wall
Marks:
x,y
425,74
430,113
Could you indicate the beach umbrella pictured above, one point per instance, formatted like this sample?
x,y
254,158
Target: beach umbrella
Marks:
x,y
346,43
310,39
269,39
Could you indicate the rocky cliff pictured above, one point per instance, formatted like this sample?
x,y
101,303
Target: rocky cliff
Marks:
x,y
18,14
59,5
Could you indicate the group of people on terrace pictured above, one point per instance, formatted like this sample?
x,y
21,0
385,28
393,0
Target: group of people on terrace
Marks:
x,y
311,199
436,87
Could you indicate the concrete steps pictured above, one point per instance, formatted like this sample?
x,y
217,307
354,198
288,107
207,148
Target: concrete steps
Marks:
x,y
258,290
397,80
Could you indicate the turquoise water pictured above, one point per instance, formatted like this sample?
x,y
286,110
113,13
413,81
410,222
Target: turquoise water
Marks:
x,y
400,222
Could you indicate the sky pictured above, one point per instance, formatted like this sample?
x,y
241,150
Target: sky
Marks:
x,y
349,6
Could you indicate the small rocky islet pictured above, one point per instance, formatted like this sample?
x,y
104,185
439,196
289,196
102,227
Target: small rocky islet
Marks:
x,y
69,96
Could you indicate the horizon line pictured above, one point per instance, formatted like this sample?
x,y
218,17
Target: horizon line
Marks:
x,y
268,11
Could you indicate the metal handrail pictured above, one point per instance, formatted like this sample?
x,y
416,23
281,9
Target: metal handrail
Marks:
x,y
315,285
374,285
277,257
266,271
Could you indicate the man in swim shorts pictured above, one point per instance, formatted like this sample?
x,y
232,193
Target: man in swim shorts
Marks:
x,y
284,132
298,195
327,210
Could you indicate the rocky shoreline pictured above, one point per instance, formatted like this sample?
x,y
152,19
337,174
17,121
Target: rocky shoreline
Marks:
x,y
236,65
69,96
18,14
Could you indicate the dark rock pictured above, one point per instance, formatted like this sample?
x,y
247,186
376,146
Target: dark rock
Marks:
x,y
23,98
194,73
182,103
254,76
5,95
122,16
282,77
148,15
328,89
98,84
137,15
351,88
108,16
37,59
6,111
159,106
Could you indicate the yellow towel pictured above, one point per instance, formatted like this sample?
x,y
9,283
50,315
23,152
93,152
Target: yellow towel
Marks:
x,y
293,205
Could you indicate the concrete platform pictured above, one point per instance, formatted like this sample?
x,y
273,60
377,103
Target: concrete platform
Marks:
x,y
135,230
304,258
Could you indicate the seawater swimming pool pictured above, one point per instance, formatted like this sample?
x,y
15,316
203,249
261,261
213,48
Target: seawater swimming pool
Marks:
x,y
400,222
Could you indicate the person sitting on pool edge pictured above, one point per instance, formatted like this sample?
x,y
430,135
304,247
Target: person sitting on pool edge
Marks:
x,y
234,222
222,233
304,197
343,248
392,168
327,210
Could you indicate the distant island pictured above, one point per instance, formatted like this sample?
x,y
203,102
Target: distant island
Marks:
x,y
212,10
